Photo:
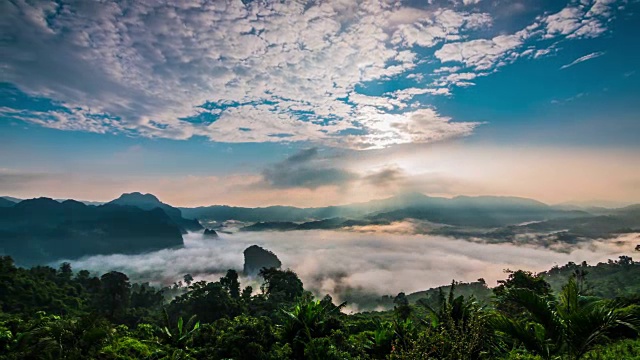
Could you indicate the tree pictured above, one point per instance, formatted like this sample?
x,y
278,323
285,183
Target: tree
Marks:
x,y
114,293
230,282
401,307
65,272
246,293
573,325
519,280
309,320
281,285
208,301
188,279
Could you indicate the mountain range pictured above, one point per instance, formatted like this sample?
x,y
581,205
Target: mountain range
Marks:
x,y
480,211
41,230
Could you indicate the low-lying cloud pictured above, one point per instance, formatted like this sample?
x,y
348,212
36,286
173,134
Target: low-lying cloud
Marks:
x,y
339,262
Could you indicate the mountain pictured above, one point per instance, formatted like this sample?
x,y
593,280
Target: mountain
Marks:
x,y
17,200
149,202
42,230
4,202
256,258
11,198
623,220
479,211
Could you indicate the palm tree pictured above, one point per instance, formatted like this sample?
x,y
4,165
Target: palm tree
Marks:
x,y
452,308
308,320
571,325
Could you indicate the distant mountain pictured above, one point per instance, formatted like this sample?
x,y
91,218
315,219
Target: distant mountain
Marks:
x,y
42,230
4,202
586,205
149,202
480,211
221,213
562,230
623,220
326,224
271,226
86,202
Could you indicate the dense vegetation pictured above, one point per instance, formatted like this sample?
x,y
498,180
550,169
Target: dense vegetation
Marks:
x,y
49,313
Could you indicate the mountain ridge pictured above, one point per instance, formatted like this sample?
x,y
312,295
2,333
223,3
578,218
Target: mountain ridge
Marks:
x,y
150,201
41,230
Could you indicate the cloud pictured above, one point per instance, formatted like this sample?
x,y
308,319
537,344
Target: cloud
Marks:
x,y
260,71
584,20
419,126
340,262
226,70
583,59
306,169
386,177
482,54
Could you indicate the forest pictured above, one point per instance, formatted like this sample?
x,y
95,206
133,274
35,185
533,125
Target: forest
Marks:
x,y
569,312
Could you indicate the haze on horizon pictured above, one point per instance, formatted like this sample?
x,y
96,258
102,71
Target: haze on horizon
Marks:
x,y
304,103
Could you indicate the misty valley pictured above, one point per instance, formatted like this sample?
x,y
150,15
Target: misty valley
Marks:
x,y
407,277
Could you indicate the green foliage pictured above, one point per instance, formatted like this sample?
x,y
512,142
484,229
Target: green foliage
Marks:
x,y
626,349
456,330
281,286
127,348
180,335
309,320
572,325
49,313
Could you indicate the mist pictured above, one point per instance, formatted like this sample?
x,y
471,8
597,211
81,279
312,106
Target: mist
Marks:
x,y
341,262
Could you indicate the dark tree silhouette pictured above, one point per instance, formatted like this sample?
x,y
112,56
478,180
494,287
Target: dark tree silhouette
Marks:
x,y
114,293
230,282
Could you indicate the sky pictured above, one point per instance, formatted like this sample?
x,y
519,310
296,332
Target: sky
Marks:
x,y
313,103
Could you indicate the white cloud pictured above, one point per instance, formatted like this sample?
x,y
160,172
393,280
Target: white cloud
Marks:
x,y
582,59
151,65
272,71
585,20
481,54
418,126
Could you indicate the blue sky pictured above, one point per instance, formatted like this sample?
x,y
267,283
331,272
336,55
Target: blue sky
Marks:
x,y
203,102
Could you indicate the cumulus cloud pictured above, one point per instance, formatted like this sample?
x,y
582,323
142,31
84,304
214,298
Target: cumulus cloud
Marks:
x,y
583,59
259,71
586,19
339,262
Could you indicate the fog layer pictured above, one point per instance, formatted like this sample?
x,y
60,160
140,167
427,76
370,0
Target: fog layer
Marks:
x,y
336,262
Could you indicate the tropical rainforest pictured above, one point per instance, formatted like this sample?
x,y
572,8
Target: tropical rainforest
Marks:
x,y
569,312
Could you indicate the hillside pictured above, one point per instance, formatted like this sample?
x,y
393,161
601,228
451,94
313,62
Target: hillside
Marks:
x,y
42,230
150,202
